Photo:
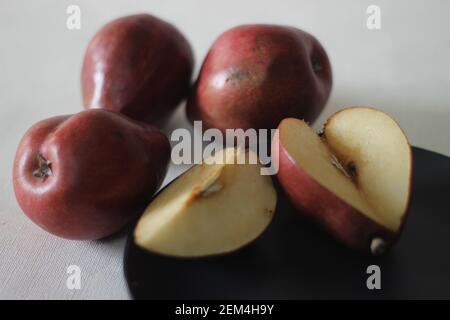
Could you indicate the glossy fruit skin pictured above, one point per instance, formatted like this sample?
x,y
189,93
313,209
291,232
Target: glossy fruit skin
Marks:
x,y
104,168
256,75
138,65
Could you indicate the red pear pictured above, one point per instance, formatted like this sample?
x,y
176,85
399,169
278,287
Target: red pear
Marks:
x,y
84,176
256,75
138,65
354,179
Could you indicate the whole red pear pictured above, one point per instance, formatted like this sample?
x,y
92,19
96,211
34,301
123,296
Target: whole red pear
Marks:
x,y
138,65
85,176
256,75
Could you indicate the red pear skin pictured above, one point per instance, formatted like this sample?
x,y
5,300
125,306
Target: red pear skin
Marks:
x,y
85,176
256,75
323,207
138,65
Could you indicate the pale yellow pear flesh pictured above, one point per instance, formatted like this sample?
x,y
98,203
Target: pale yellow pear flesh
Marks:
x,y
372,144
211,209
352,178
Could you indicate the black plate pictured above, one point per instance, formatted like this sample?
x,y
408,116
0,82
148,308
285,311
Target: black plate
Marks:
x,y
295,260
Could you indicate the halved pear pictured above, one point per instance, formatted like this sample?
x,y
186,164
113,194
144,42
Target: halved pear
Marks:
x,y
211,209
354,179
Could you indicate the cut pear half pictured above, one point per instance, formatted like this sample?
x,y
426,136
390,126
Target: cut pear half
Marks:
x,y
360,165
211,209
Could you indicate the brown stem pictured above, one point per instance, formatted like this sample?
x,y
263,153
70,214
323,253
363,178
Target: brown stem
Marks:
x,y
377,246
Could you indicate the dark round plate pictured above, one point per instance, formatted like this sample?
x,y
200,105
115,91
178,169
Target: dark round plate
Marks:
x,y
294,259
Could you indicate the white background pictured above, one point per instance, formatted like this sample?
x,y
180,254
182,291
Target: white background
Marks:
x,y
403,69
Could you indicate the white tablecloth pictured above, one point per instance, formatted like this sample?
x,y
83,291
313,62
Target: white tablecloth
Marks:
x,y
402,68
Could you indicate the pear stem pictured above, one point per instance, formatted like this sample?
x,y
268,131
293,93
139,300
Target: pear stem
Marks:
x,y
377,246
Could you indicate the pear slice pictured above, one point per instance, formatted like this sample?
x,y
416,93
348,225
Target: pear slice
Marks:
x,y
354,179
211,209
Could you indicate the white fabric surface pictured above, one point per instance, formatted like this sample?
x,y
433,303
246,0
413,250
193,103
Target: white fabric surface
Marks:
x,y
403,68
